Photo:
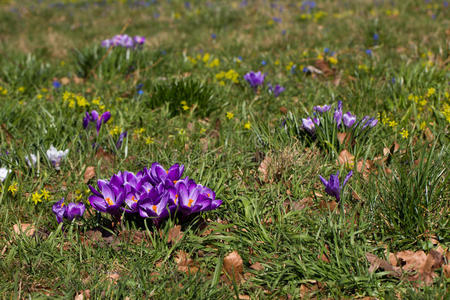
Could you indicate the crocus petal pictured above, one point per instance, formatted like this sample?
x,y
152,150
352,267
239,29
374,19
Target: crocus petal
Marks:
x,y
98,203
347,178
105,117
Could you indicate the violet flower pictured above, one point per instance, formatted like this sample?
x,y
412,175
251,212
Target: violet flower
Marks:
x,y
108,200
69,211
332,186
154,206
55,156
277,90
96,118
338,114
255,79
158,174
191,200
120,140
349,119
308,124
322,109
140,40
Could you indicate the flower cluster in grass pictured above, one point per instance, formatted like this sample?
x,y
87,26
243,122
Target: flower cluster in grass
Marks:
x,y
331,128
67,211
256,80
153,193
124,41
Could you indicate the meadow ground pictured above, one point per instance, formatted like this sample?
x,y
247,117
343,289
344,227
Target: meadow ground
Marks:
x,y
181,97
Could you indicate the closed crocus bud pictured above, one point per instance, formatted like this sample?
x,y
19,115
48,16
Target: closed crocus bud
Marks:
x,y
74,210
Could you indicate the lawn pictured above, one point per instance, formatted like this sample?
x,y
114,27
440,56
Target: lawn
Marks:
x,y
224,149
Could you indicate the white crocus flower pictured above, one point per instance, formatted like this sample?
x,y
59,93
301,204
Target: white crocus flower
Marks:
x,y
55,156
31,160
4,173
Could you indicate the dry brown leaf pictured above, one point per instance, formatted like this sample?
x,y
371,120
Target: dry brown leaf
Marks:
x,y
244,297
234,266
428,135
257,266
331,205
324,256
86,294
185,263
376,263
306,289
64,81
324,67
302,204
113,277
89,174
175,234
433,261
283,110
264,168
27,229
411,260
343,138
346,158
446,269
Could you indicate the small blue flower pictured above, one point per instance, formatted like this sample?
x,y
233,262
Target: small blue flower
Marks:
x,y
376,37
369,52
326,50
56,84
213,36
263,62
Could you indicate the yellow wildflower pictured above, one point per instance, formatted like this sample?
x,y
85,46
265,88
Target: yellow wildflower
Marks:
x,y
36,197
431,92
149,140
423,125
21,89
392,123
202,130
333,60
277,62
45,194
44,90
39,96
214,63
230,115
404,133
13,188
206,57
247,125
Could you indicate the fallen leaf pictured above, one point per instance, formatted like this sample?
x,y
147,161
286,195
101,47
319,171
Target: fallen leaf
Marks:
x,y
314,70
301,204
185,263
257,266
264,168
65,80
307,289
410,260
283,110
175,234
324,67
113,277
234,266
343,138
346,158
244,297
433,261
89,174
428,135
83,294
446,269
324,256
27,229
376,263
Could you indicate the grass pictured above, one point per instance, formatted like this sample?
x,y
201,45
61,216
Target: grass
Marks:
x,y
173,106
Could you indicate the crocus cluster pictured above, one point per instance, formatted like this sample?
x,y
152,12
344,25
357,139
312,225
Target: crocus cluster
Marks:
x,y
152,193
332,186
55,156
67,211
96,118
124,40
348,119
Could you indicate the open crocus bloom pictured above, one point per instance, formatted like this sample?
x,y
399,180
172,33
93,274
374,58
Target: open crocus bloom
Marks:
x,y
158,174
108,200
255,79
69,211
308,125
322,109
332,186
195,197
338,114
154,205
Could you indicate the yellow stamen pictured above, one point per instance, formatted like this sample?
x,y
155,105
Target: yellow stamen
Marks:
x,y
155,208
175,181
133,198
109,201
190,202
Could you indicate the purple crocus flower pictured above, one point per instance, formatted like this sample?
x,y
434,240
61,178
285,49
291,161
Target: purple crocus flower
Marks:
x,y
349,119
69,211
322,109
308,125
154,205
277,90
120,140
191,200
338,114
255,79
140,40
109,199
332,186
158,174
107,43
96,118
